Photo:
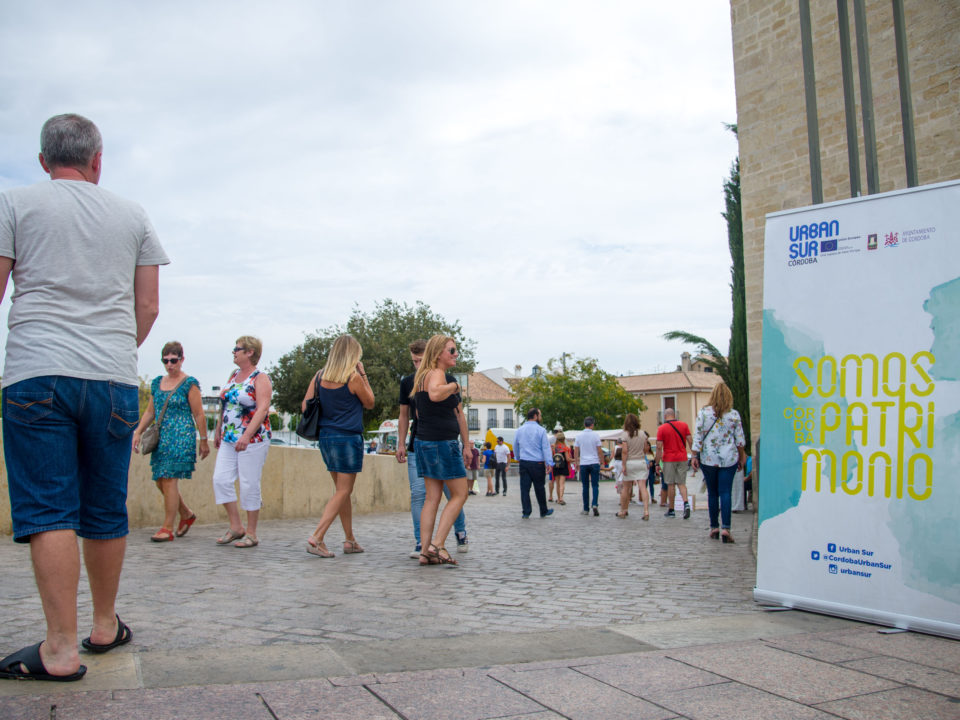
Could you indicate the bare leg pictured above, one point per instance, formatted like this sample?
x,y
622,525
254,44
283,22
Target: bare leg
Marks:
x,y
252,517
671,495
626,492
458,496
104,561
346,506
233,514
644,497
428,515
683,493
552,484
343,486
56,567
561,481
171,501
489,484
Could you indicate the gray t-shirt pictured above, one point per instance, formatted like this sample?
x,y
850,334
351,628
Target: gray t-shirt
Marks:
x,y
76,247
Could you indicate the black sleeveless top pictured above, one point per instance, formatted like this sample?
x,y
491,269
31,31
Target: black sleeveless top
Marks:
x,y
437,420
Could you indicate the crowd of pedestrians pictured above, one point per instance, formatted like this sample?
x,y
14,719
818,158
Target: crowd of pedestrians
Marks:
x,y
85,266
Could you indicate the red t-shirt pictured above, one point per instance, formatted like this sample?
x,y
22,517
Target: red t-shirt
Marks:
x,y
674,447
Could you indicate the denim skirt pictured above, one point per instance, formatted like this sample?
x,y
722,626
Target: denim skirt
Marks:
x,y
439,459
342,452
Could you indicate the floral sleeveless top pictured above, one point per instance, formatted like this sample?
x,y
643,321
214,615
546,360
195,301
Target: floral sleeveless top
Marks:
x,y
239,403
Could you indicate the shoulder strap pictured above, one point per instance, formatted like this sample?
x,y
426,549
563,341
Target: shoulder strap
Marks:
x,y
159,419
682,438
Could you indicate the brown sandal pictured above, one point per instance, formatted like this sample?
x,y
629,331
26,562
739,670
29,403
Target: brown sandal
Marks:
x,y
443,557
430,557
622,514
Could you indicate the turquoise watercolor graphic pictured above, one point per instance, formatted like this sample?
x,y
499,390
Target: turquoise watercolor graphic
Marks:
x,y
779,455
929,531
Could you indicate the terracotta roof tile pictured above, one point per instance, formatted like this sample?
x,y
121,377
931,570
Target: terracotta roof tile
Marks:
x,y
481,388
679,380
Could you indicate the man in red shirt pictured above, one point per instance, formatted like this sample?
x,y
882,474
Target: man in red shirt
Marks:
x,y
673,441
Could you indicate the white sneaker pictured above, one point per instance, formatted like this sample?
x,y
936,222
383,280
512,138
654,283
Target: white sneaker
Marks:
x,y
416,553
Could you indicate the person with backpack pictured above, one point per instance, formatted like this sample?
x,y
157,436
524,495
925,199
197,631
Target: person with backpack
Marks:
x,y
561,467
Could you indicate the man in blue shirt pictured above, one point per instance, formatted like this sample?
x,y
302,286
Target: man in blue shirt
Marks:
x,y
532,449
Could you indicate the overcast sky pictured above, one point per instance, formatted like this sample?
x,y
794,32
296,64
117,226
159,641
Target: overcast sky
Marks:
x,y
547,173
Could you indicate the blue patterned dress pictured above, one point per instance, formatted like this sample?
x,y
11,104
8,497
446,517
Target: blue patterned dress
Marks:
x,y
176,454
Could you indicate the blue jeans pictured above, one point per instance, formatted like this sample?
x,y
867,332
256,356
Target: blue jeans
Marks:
x,y
66,443
535,474
590,473
719,481
418,493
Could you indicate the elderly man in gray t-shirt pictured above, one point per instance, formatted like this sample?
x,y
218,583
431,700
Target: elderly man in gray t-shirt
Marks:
x,y
84,264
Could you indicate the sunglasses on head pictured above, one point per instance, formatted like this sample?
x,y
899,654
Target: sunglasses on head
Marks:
x,y
170,361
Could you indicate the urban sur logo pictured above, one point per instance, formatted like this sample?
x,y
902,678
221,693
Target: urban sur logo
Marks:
x,y
807,241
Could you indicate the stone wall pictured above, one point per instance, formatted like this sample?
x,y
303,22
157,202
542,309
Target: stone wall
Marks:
x,y
771,115
295,484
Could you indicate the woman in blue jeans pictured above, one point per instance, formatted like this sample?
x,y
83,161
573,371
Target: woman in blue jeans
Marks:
x,y
718,447
344,392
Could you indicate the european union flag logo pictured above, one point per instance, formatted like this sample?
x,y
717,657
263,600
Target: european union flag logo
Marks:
x,y
828,245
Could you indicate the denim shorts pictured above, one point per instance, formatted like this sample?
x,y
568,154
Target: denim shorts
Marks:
x,y
66,444
439,459
342,452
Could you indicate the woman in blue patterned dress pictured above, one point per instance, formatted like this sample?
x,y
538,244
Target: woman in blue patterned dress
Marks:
x,y
176,453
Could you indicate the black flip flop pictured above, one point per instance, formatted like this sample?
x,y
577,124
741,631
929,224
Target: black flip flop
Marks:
x,y
124,635
26,664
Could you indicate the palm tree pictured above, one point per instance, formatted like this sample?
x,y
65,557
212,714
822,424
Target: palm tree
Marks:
x,y
733,368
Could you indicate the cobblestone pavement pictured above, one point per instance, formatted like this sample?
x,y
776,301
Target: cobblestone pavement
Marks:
x,y
565,571
567,617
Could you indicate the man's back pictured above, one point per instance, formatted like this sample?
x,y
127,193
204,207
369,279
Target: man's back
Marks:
x,y
76,247
673,436
588,441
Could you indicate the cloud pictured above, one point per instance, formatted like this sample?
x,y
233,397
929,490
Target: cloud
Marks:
x,y
548,174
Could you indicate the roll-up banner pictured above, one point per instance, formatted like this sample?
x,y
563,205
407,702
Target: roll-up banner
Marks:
x,y
859,512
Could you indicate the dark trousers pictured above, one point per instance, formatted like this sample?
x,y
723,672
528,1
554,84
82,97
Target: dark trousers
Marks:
x,y
533,473
590,478
501,471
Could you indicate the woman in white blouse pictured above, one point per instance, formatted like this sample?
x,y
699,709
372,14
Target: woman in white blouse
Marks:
x,y
718,447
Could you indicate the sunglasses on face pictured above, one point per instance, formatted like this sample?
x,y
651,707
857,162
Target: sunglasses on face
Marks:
x,y
452,351
170,361
239,349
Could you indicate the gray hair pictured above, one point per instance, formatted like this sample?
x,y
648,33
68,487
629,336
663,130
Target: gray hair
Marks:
x,y
669,412
69,141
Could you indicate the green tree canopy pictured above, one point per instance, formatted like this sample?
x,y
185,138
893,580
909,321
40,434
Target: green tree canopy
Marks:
x,y
567,393
384,335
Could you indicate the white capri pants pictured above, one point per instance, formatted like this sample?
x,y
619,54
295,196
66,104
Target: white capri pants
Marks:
x,y
247,466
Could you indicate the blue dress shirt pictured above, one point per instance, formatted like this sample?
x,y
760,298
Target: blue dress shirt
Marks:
x,y
531,443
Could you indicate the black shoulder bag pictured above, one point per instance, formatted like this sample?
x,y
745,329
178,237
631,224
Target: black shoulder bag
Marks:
x,y
309,426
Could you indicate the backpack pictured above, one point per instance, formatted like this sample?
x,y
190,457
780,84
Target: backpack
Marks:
x,y
560,464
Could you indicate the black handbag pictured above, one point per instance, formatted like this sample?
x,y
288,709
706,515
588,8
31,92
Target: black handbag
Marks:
x,y
309,426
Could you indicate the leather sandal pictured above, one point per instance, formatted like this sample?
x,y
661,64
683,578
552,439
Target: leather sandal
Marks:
x,y
230,537
318,549
351,546
162,535
430,557
714,533
443,556
623,514
726,537
185,524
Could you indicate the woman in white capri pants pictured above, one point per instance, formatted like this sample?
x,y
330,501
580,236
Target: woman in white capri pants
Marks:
x,y
242,438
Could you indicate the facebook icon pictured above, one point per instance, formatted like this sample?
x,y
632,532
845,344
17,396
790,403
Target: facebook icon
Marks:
x,y
831,547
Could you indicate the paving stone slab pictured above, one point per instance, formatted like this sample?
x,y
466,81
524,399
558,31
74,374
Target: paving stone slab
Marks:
x,y
781,673
642,675
733,701
913,647
898,704
468,698
578,697
909,673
